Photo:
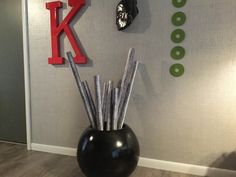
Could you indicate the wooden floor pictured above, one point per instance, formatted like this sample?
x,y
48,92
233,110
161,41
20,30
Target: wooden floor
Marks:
x,y
16,161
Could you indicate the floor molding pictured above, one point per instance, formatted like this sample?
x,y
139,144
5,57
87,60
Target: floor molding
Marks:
x,y
185,168
149,163
53,149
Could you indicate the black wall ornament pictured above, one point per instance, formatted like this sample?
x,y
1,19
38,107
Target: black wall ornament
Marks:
x,y
126,11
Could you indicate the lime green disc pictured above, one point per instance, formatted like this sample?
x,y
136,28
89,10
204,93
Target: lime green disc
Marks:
x,y
177,70
178,53
179,3
178,19
178,35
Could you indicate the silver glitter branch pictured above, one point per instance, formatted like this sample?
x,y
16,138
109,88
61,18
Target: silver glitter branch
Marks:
x,y
98,95
127,97
115,108
108,106
81,90
90,98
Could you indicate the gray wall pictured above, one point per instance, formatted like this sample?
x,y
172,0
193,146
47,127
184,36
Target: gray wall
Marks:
x,y
190,119
12,101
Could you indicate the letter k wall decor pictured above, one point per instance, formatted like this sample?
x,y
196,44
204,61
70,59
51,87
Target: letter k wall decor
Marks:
x,y
58,28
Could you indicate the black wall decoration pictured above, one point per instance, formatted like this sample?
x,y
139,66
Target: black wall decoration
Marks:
x,y
126,11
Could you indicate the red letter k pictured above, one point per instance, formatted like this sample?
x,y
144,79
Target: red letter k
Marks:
x,y
58,29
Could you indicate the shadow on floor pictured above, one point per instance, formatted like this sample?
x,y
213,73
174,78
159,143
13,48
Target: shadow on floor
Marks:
x,y
226,162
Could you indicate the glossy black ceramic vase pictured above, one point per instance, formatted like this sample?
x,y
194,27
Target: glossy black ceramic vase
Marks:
x,y
108,153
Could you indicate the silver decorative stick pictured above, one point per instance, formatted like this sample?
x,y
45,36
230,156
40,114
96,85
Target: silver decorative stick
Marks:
x,y
108,106
129,61
115,109
103,92
104,100
90,99
81,89
99,115
127,97
126,79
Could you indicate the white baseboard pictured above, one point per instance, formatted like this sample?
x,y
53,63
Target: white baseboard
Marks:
x,y
149,163
53,149
185,168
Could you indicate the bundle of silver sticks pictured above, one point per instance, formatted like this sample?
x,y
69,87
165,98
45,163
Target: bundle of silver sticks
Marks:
x,y
108,110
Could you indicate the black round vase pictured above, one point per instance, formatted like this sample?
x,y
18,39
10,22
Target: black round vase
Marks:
x,y
108,153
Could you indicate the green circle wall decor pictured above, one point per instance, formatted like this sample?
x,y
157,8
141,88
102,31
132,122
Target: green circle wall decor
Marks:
x,y
178,19
178,35
177,70
177,53
179,3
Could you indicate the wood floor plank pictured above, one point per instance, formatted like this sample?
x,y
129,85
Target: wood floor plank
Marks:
x,y
16,161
